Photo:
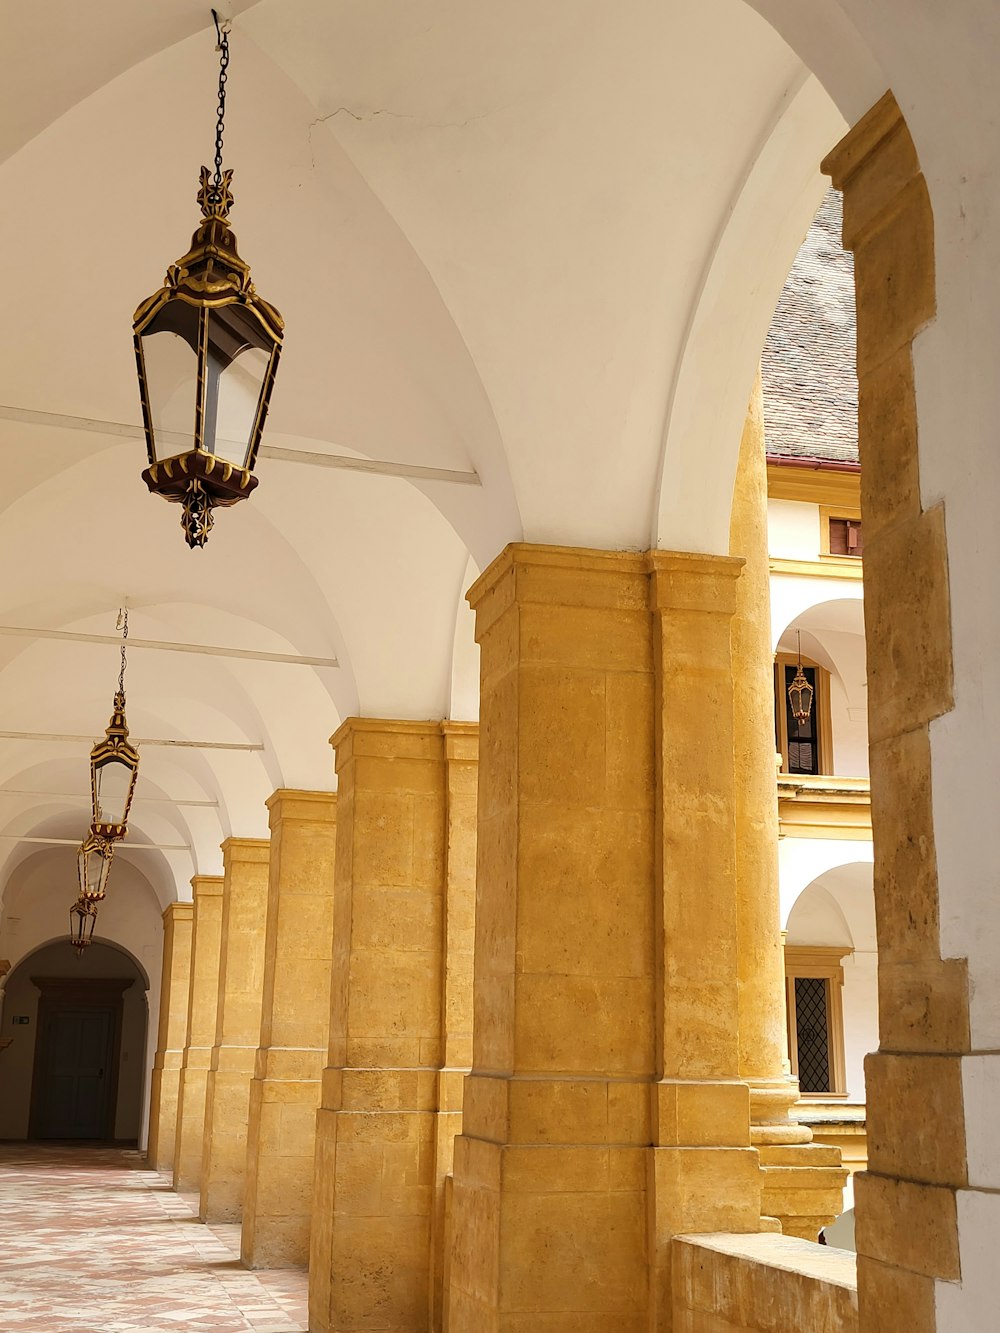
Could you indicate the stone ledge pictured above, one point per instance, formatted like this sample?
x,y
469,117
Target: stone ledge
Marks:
x,y
763,1282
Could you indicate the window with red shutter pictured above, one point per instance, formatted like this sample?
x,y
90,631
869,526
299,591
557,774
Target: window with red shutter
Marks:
x,y
845,536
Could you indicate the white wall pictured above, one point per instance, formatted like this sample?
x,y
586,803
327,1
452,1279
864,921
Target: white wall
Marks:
x,y
848,701
860,997
793,531
802,860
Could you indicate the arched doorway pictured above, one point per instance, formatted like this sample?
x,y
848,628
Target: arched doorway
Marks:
x,y
74,1068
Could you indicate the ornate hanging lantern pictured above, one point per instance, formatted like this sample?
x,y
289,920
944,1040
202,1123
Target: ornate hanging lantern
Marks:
x,y
82,920
114,765
94,866
800,692
207,349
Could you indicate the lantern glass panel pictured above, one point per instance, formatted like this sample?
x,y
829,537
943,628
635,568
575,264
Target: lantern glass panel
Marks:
x,y
82,920
94,870
113,783
170,359
239,352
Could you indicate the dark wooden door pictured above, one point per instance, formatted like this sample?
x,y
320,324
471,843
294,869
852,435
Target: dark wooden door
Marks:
x,y
74,1090
75,1074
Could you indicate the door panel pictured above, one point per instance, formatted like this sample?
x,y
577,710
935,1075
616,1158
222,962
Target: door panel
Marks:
x,y
74,1072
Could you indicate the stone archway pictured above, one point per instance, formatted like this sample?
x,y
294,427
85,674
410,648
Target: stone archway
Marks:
x,y
75,1067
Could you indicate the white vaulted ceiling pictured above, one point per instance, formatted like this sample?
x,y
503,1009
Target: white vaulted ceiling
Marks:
x,y
535,243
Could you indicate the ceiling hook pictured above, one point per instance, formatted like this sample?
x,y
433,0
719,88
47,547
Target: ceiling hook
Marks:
x,y
223,27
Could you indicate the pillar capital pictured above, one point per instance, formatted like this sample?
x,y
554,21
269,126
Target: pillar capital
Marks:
x,y
872,165
179,911
564,576
683,581
461,741
207,886
291,803
245,851
383,738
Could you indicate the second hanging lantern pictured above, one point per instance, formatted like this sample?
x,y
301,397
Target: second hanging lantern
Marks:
x,y
114,768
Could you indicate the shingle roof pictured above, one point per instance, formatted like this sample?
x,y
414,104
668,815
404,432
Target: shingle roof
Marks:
x,y
810,384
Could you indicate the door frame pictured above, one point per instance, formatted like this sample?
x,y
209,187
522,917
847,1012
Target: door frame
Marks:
x,y
78,993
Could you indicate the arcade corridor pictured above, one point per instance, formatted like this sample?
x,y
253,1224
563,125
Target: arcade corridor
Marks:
x,y
112,1247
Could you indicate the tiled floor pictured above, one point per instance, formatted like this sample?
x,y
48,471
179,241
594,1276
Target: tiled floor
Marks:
x,y
91,1241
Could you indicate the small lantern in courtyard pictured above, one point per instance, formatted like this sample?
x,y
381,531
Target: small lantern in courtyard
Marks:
x,y
114,765
82,920
207,349
800,693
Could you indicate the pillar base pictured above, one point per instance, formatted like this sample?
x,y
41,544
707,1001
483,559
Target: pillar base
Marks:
x,y
223,1173
371,1220
279,1185
552,1230
802,1185
191,1121
771,1102
164,1092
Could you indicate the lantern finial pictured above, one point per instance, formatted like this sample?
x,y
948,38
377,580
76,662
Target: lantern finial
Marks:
x,y
216,199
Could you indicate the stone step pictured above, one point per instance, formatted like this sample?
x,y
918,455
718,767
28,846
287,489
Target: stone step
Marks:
x,y
799,1154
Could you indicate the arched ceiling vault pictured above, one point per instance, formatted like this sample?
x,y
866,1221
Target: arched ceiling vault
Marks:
x,y
539,244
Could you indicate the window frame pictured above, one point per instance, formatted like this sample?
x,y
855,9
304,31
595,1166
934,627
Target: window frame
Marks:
x,y
826,513
821,703
825,963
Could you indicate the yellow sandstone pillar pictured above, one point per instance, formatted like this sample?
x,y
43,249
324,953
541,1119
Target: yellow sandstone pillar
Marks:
x,y
237,1028
377,1133
203,1000
914,1192
803,1182
294,1029
175,985
605,973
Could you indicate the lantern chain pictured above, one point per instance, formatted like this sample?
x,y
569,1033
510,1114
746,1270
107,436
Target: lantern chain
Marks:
x,y
123,626
222,30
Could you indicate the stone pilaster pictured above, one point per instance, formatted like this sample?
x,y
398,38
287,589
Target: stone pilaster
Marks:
x,y
203,1000
703,1173
908,1202
803,1182
605,975
377,1130
237,1028
175,988
294,1029
461,750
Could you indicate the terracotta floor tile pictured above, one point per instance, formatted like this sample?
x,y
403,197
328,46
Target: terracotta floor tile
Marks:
x,y
94,1242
